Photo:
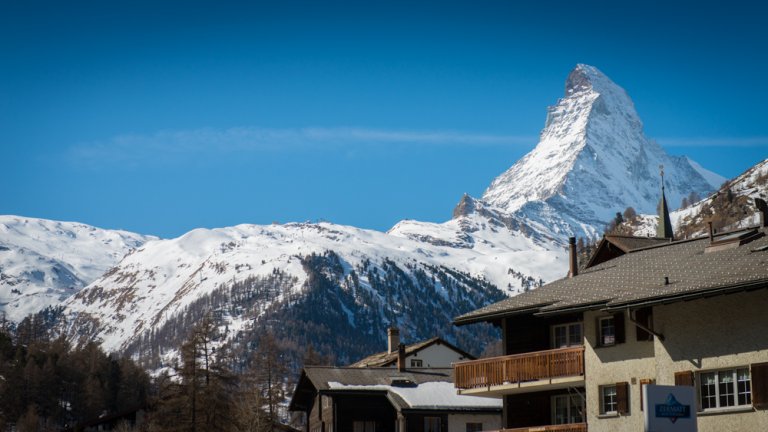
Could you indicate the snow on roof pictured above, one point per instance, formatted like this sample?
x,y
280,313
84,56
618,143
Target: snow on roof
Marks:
x,y
428,395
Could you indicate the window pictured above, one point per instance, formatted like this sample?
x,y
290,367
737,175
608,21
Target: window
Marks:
x,y
364,426
567,408
474,427
725,388
431,424
606,331
565,335
416,363
608,400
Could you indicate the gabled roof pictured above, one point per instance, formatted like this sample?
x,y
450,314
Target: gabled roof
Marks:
x,y
613,245
385,358
413,389
664,273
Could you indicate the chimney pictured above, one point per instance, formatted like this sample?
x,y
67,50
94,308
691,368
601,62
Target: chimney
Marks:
x,y
393,339
711,232
401,358
763,208
574,260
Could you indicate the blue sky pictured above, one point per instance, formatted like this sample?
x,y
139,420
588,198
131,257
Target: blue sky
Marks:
x,y
160,117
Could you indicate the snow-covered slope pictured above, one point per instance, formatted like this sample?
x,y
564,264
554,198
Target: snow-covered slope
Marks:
x,y
163,278
592,161
42,262
730,207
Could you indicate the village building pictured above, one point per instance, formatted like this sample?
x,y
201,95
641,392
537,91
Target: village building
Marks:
x,y
405,389
578,351
430,353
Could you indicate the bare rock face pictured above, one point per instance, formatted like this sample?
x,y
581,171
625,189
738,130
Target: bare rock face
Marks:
x,y
578,80
465,207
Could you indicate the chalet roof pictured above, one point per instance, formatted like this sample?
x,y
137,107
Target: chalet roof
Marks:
x,y
624,243
385,358
629,243
421,388
664,273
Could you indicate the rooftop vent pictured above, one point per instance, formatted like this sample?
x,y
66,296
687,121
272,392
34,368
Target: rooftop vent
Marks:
x,y
734,240
402,382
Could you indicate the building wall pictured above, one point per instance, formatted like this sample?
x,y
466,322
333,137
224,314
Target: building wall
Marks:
x,y
532,409
363,407
435,356
629,362
458,422
719,332
707,334
314,419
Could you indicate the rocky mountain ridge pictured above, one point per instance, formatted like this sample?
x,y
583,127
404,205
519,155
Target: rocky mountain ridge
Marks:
x,y
366,280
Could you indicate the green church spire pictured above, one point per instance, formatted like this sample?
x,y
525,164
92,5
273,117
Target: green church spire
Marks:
x,y
664,229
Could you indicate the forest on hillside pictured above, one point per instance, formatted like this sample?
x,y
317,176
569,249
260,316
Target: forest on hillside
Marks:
x,y
48,385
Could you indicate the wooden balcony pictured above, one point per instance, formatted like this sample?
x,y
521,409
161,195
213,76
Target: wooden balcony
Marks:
x,y
573,427
506,373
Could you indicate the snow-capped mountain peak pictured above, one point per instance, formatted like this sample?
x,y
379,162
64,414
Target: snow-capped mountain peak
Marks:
x,y
592,160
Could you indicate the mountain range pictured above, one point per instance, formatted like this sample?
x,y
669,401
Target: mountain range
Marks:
x,y
339,287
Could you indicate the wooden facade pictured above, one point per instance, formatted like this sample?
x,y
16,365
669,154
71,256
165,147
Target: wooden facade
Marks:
x,y
531,361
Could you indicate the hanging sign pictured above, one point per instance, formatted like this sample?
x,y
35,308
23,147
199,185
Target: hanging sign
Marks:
x,y
669,408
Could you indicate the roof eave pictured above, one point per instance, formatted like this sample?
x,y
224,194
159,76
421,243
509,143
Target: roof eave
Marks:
x,y
687,296
572,309
492,316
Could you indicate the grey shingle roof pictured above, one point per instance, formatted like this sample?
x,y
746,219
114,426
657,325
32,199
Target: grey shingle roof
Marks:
x,y
628,243
639,277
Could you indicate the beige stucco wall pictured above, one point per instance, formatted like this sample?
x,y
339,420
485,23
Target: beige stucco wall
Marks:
x,y
719,332
628,362
436,356
458,422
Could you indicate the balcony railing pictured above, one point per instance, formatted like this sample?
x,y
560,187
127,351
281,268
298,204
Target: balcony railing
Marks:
x,y
573,427
517,368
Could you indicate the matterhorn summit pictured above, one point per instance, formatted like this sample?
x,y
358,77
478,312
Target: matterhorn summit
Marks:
x,y
593,160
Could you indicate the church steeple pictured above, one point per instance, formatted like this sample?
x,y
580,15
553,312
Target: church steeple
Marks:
x,y
664,229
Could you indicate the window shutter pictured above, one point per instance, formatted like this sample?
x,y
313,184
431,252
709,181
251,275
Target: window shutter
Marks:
x,y
684,378
759,377
599,340
645,317
643,382
618,324
622,397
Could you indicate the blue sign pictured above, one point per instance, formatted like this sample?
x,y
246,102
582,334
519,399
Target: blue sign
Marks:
x,y
672,409
669,408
